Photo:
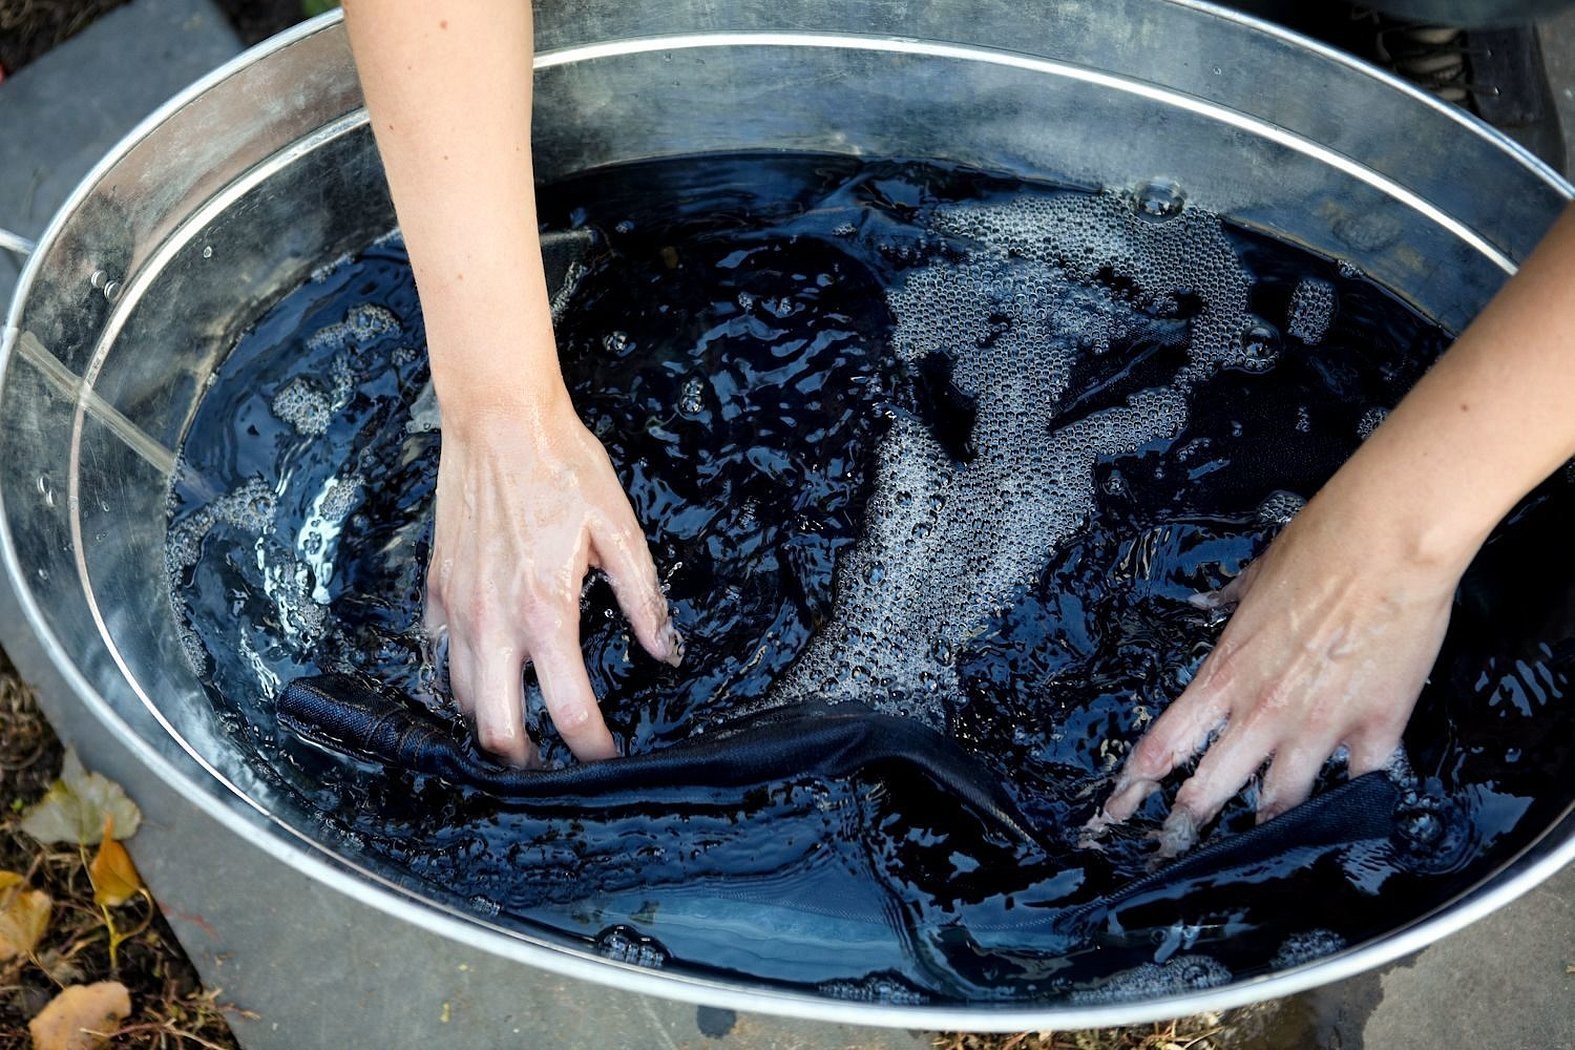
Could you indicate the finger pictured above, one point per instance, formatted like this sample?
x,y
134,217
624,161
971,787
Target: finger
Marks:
x,y
566,688
434,616
1371,750
619,549
1231,594
462,675
1239,753
1290,778
434,626
492,670
1172,740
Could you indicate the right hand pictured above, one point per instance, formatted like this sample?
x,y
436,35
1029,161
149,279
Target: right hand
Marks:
x,y
527,503
1337,627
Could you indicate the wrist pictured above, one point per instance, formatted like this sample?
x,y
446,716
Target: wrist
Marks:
x,y
494,359
1398,521
474,406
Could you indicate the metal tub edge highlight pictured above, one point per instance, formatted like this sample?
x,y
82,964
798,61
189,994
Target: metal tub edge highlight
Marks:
x,y
265,170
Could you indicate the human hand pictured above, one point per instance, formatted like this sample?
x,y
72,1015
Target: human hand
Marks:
x,y
527,503
1329,646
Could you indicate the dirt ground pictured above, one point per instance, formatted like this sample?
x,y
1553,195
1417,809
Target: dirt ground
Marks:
x,y
170,1008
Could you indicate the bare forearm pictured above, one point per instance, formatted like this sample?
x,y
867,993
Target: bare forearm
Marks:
x,y
448,86
1494,417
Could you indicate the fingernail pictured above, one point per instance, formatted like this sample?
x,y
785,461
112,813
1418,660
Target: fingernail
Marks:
x,y
672,644
1178,834
1127,796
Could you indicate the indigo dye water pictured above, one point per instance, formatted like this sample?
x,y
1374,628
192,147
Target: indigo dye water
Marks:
x,y
955,447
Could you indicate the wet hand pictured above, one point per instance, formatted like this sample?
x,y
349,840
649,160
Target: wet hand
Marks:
x,y
1333,636
527,504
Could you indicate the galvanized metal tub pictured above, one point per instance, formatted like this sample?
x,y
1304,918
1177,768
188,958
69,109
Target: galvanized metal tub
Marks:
x,y
239,188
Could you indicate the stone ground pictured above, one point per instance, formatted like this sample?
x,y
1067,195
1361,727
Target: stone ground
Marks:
x,y
1504,982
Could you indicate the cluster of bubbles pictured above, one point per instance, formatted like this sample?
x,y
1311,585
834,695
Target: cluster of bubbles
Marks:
x,y
363,323
1306,947
887,989
295,585
250,509
304,405
1043,284
1312,310
1370,422
1279,507
1183,974
626,945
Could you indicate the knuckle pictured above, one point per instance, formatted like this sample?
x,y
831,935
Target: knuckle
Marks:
x,y
497,737
571,715
1194,796
1151,758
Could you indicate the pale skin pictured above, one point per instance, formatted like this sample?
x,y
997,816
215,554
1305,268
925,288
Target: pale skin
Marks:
x,y
1340,620
527,500
1337,624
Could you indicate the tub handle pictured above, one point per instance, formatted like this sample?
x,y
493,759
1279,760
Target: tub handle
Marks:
x,y
16,244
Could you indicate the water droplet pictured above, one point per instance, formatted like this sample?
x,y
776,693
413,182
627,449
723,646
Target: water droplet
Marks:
x,y
1260,347
691,398
1159,199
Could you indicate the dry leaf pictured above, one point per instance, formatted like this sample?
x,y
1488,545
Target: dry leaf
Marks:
x,y
73,1019
115,879
77,806
24,915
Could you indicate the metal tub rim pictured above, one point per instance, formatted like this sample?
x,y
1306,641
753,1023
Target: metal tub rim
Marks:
x,y
1533,864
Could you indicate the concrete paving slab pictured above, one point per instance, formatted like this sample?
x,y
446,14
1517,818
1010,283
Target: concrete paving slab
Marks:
x,y
60,114
1512,968
1558,52
1500,983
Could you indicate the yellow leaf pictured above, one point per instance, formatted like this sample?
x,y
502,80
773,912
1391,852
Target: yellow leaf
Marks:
x,y
24,915
81,1017
115,878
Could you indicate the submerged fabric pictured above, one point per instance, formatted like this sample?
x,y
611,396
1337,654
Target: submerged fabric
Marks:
x,y
1352,826
343,713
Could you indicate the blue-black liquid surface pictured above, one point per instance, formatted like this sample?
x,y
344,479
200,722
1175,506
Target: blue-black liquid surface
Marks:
x,y
729,343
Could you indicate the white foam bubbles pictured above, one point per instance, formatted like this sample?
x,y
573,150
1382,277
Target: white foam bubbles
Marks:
x,y
1370,421
1050,281
1185,973
1300,948
1279,507
1312,310
363,323
304,405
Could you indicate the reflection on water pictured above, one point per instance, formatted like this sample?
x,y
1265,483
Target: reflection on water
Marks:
x,y
954,446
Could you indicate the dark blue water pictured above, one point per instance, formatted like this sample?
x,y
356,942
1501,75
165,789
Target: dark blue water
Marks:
x,y
736,338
